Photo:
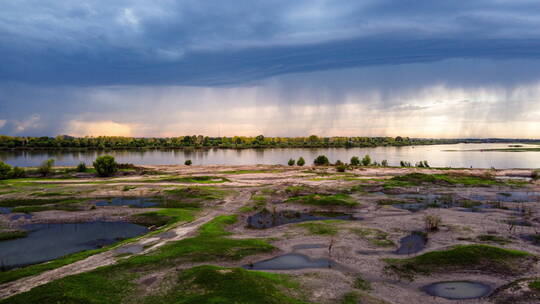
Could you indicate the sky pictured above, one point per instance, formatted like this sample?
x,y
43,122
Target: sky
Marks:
x,y
418,68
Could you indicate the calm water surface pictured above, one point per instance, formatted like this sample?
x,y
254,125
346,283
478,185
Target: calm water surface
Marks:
x,y
436,155
49,241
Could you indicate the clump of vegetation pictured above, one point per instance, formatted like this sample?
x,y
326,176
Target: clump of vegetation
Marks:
x,y
228,285
463,257
105,166
10,235
46,167
362,284
432,222
324,200
422,164
535,174
535,285
6,171
300,162
384,163
291,162
403,163
355,161
188,162
319,228
374,236
298,190
493,239
321,160
416,179
366,161
341,168
81,167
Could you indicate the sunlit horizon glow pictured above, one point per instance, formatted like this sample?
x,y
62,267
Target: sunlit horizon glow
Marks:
x,y
331,68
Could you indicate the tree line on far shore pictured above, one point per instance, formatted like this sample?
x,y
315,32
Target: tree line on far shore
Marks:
x,y
200,141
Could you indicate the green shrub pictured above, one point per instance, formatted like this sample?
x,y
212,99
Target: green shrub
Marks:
x,y
338,162
81,167
5,169
432,222
321,160
366,161
535,174
17,172
105,165
405,164
291,162
301,161
341,168
384,163
355,161
188,162
46,167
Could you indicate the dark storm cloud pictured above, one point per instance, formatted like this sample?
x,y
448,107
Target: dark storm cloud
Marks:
x,y
209,43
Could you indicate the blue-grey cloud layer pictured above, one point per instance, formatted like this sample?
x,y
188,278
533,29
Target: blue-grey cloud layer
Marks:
x,y
278,67
231,42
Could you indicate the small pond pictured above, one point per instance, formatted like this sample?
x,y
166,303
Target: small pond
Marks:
x,y
49,241
413,243
5,210
25,216
291,261
139,202
458,290
267,219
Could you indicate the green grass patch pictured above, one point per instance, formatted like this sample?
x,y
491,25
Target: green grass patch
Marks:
x,y
11,235
196,179
362,284
535,285
319,228
35,202
165,216
415,179
463,257
213,284
375,237
493,239
324,200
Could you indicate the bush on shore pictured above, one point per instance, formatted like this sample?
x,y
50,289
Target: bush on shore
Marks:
x,y
105,166
321,160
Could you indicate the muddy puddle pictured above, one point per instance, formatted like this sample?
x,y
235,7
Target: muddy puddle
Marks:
x,y
266,219
5,210
25,216
507,197
309,246
413,243
291,261
458,290
50,241
140,202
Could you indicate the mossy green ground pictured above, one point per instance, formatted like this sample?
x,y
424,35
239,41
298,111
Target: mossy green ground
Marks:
x,y
320,228
324,200
10,235
117,283
463,257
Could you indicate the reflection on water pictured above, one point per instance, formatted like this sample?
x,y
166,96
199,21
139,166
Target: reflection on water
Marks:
x,y
291,261
49,241
435,155
458,290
